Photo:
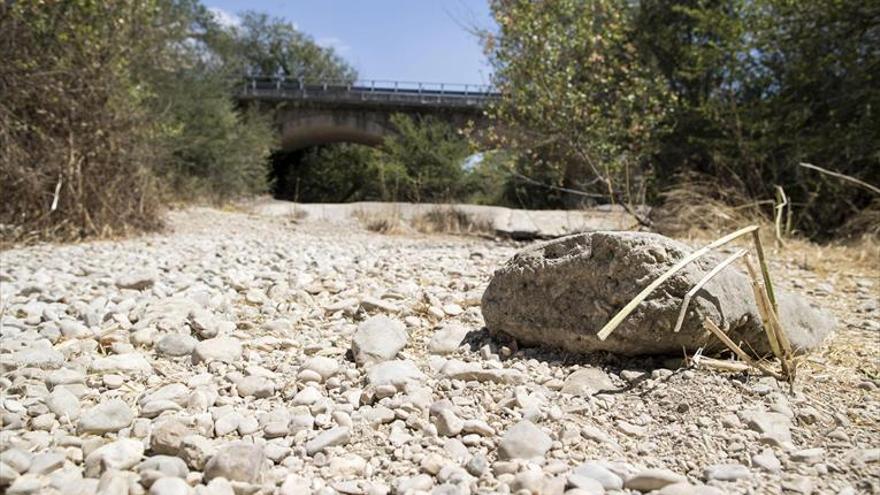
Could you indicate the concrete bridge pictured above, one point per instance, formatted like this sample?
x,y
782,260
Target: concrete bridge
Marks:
x,y
360,112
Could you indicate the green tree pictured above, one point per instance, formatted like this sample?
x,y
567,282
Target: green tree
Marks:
x,y
762,85
214,149
580,104
270,46
422,161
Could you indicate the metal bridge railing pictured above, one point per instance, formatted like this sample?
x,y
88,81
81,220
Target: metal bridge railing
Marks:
x,y
372,90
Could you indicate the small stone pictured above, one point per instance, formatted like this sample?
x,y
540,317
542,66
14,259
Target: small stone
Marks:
x,y
586,484
447,423
727,472
809,456
587,381
63,403
159,466
109,416
17,459
460,370
452,309
376,304
631,430
295,485
652,479
394,373
46,462
524,440
72,329
607,478
689,489
255,386
415,484
7,474
223,349
167,436
113,381
378,339
176,344
33,357
236,462
329,438
195,450
477,465
126,364
307,396
139,280
119,455
25,485
447,340
323,366
775,427
169,486
798,484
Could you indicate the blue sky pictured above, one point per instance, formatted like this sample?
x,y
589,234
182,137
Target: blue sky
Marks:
x,y
408,40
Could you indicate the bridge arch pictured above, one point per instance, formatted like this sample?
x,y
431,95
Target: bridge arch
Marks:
x,y
304,127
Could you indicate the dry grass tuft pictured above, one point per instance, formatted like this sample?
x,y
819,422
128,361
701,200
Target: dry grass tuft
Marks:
x,y
450,221
698,207
390,223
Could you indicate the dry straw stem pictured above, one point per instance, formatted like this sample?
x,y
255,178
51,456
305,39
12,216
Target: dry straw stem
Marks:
x,y
696,288
765,270
719,364
845,177
714,329
781,204
777,337
623,313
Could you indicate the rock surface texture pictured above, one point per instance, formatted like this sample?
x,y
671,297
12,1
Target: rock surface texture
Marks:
x,y
560,293
261,356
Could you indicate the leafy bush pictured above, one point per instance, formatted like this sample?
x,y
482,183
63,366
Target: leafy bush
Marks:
x,y
611,95
421,162
107,104
77,145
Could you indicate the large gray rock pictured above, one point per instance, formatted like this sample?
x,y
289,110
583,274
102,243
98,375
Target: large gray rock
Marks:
x,y
560,293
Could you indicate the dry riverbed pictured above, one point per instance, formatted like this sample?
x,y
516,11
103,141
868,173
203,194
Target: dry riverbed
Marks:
x,y
240,353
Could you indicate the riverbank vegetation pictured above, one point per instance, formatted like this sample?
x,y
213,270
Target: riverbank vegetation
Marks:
x,y
111,110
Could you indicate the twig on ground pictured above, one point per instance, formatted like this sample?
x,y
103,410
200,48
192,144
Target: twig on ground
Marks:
x,y
845,177
623,313
715,330
696,288
719,364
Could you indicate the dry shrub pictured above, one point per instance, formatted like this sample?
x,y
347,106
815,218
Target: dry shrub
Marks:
x,y
697,205
382,222
450,221
865,225
76,154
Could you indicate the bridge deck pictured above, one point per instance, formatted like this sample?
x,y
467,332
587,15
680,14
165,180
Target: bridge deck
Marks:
x,y
378,92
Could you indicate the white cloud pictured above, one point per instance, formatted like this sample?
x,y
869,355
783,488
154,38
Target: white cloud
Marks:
x,y
225,18
334,43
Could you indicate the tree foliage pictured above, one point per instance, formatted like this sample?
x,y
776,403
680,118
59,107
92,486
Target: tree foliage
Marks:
x,y
421,162
579,102
737,90
269,46
76,140
110,108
